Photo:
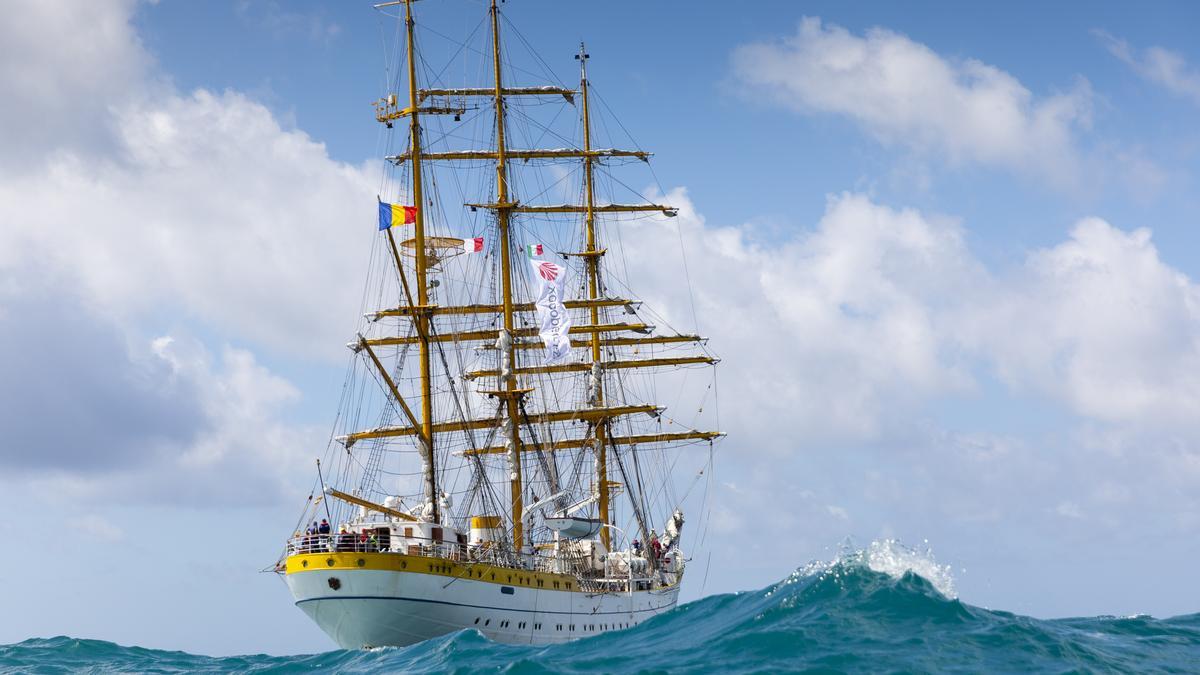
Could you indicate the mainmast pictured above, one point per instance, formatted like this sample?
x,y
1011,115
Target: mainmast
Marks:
x,y
421,309
506,377
591,257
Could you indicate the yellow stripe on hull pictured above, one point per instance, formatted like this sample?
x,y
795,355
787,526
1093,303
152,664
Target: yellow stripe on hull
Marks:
x,y
398,562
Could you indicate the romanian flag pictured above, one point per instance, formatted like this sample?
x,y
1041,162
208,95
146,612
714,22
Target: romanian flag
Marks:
x,y
391,215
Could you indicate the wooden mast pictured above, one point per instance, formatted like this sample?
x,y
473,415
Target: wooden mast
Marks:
x,y
422,308
592,258
508,387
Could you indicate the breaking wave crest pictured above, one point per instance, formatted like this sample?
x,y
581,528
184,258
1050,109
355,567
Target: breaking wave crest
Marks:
x,y
882,607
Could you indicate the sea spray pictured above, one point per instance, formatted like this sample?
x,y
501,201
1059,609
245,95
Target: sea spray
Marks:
x,y
880,607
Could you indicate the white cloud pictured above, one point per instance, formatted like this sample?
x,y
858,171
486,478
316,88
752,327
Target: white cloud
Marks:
x,y
123,419
98,527
1100,322
1159,65
201,202
1068,510
125,214
904,93
838,330
856,324
60,68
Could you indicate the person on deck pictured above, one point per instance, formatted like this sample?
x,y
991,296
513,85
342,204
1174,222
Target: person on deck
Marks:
x,y
655,546
373,543
637,547
322,534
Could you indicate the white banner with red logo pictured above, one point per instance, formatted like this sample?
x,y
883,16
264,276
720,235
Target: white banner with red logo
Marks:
x,y
552,314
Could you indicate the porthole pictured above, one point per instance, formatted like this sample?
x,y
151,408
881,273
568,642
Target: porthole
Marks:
x,y
487,622
477,621
362,563
329,561
304,563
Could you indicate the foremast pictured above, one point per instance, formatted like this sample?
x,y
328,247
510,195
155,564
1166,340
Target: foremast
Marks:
x,y
420,309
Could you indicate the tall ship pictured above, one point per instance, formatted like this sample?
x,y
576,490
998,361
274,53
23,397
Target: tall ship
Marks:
x,y
519,436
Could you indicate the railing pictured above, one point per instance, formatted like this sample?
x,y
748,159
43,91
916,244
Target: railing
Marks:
x,y
589,580
419,546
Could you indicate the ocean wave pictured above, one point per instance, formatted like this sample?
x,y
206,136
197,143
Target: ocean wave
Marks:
x,y
881,607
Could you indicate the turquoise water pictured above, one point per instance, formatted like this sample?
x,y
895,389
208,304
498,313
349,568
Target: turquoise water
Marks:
x,y
862,612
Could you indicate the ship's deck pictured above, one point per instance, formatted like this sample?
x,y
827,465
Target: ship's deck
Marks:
x,y
308,554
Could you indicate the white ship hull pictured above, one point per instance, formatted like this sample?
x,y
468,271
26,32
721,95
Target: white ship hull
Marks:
x,y
368,605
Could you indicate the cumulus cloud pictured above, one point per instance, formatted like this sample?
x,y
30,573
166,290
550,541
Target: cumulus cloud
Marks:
x,y
199,201
1101,323
875,311
93,410
1168,69
77,396
60,69
838,330
129,223
904,93
241,450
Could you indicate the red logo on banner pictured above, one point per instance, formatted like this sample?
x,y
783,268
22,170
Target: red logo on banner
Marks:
x,y
549,271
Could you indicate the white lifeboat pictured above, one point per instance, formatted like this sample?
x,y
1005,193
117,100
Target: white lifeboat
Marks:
x,y
572,527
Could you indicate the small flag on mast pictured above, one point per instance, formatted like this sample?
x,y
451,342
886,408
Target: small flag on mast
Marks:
x,y
533,250
391,215
473,245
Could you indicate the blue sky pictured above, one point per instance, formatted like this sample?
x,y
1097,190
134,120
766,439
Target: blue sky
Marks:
x,y
962,244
